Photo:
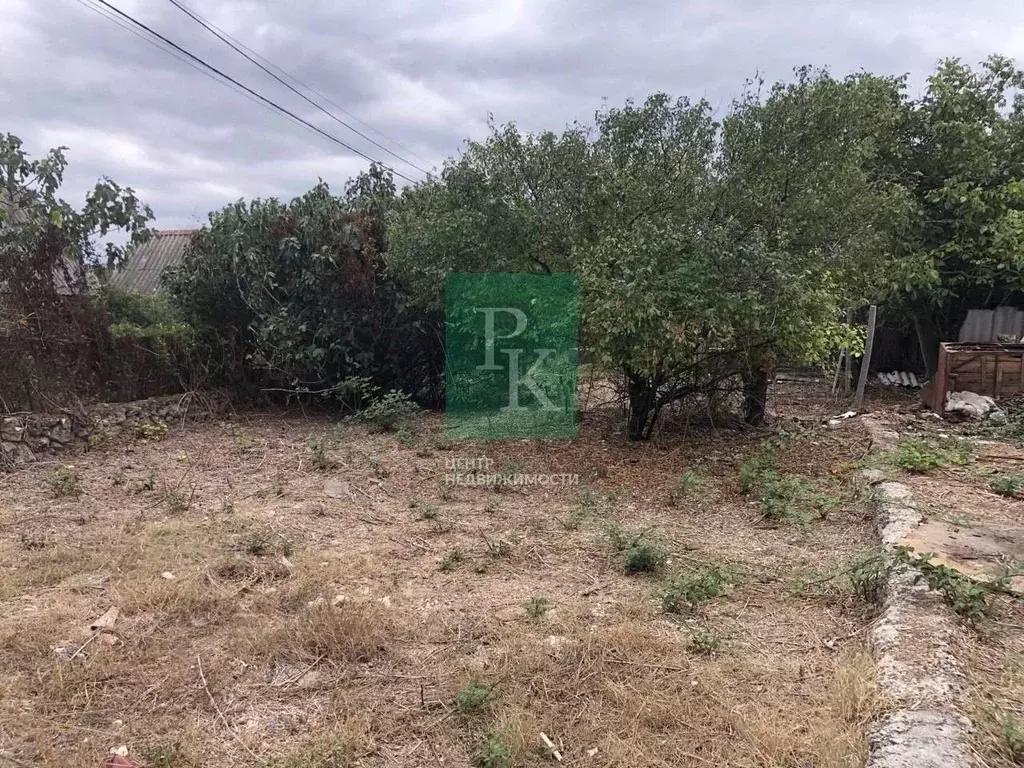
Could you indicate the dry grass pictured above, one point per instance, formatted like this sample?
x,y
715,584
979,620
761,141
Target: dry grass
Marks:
x,y
328,636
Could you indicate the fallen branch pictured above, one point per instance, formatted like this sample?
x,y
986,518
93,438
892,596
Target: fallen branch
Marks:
x,y
223,719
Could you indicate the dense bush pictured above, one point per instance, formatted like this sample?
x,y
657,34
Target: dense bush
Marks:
x,y
298,293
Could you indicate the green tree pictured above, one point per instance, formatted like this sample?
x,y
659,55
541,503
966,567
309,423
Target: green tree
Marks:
x,y
707,253
961,157
47,246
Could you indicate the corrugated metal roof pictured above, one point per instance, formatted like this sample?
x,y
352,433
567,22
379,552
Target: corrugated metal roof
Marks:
x,y
988,325
145,265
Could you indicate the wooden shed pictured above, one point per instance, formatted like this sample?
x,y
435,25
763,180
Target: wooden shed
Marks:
x,y
996,370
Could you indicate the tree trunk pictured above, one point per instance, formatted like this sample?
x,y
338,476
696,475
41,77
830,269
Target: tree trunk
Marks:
x,y
643,409
755,397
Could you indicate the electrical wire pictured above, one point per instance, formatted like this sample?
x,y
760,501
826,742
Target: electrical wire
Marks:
x,y
250,56
263,99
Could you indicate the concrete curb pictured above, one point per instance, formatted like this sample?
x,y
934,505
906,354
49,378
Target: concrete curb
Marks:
x,y
917,670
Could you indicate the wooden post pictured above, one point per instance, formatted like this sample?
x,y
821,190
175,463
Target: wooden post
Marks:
x,y
865,363
848,375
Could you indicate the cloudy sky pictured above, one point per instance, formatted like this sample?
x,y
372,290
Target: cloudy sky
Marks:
x,y
424,74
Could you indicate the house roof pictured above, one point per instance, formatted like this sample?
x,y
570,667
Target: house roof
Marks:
x,y
147,262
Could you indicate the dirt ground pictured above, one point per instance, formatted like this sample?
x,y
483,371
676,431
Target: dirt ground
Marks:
x,y
303,592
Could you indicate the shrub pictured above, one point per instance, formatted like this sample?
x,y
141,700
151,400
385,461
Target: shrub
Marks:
x,y
706,642
689,591
494,754
473,697
65,482
1007,485
388,410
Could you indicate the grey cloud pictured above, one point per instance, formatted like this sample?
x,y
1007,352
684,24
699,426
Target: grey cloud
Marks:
x,y
427,74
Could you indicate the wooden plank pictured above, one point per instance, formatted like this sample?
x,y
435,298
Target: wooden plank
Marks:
x,y
862,380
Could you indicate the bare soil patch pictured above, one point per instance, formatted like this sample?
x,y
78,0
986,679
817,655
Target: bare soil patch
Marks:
x,y
288,607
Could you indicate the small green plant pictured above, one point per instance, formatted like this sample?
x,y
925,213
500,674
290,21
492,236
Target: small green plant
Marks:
x,y
259,544
164,756
494,753
537,607
150,483
150,429
706,642
683,486
784,498
428,511
318,455
1013,738
644,558
379,470
244,445
451,561
65,482
915,455
498,549
481,566
1007,485
691,590
868,578
754,470
176,501
473,697
389,410
405,437
640,555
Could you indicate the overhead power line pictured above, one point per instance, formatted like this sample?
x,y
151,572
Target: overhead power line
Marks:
x,y
263,99
254,58
99,11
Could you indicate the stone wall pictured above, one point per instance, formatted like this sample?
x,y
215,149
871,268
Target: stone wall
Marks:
x,y
26,437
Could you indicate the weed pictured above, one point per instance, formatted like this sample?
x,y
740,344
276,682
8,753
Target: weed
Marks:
x,y
1013,738
176,501
644,558
164,756
753,471
494,753
473,697
683,486
868,578
784,497
639,556
389,410
706,642
150,429
30,542
227,507
1007,485
451,561
428,511
150,482
481,566
318,456
405,437
259,544
65,482
244,445
499,548
537,607
915,455
689,591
